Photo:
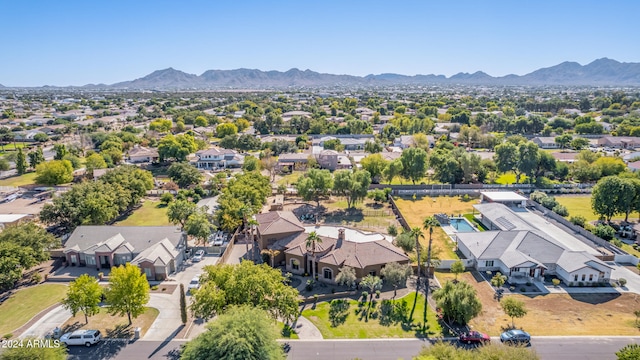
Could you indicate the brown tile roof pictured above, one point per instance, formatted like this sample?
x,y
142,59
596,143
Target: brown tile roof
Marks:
x,y
278,222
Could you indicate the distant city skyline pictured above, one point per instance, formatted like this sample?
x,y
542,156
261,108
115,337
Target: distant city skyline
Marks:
x,y
74,42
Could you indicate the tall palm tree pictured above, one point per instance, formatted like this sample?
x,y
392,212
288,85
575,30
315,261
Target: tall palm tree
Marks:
x,y
416,233
312,239
245,211
252,223
428,224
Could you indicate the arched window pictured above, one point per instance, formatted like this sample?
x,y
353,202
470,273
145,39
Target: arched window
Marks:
x,y
327,273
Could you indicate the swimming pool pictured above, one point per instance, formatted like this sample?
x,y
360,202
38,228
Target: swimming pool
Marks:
x,y
461,225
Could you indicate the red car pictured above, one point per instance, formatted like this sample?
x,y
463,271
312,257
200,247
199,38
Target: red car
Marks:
x,y
474,337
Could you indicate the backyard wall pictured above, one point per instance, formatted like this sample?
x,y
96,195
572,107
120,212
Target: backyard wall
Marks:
x,y
446,264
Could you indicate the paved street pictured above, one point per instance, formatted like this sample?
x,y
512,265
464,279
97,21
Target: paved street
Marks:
x,y
549,348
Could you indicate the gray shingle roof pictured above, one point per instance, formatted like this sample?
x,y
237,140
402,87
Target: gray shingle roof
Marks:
x,y
137,237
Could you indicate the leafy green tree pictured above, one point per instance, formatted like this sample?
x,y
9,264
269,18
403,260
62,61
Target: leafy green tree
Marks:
x,y
179,212
334,144
314,185
251,163
199,226
41,137
184,174
352,185
21,162
563,140
629,352
93,162
61,151
372,147
375,165
498,280
4,165
392,169
346,277
506,157
128,291
259,286
458,301
176,147
36,157
241,333
514,308
84,294
160,125
579,143
396,274
54,172
414,164
612,195
133,180
457,268
528,159
225,129
34,352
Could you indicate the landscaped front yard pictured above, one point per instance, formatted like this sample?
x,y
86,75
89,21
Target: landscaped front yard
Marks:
x,y
151,213
556,314
415,211
26,303
116,327
357,326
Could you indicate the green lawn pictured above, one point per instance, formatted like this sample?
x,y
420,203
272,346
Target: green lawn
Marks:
x,y
26,179
150,214
480,226
581,205
290,179
27,303
356,326
113,326
510,178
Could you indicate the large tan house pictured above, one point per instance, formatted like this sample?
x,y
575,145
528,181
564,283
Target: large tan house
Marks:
x,y
281,231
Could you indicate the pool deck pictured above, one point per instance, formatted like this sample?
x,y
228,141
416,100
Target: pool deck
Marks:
x,y
353,235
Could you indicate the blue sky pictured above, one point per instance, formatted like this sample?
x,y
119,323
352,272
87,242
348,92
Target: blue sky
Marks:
x,y
69,42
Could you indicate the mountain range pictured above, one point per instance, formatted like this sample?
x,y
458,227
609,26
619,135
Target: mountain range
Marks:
x,y
601,72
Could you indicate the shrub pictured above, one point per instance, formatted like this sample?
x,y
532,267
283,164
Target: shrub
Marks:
x,y
36,277
528,283
365,295
154,287
377,294
604,231
617,242
622,282
561,210
523,289
580,284
8,336
392,230
555,282
578,220
405,241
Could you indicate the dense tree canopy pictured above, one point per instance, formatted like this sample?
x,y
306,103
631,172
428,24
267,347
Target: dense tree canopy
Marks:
x,y
54,172
458,301
128,291
259,286
184,174
353,185
243,332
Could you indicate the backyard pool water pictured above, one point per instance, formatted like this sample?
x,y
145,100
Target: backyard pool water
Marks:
x,y
461,225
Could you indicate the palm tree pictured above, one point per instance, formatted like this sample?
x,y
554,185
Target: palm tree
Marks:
x,y
416,233
252,223
428,224
272,255
312,239
245,211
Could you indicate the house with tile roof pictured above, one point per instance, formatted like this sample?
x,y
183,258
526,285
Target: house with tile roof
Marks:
x,y
524,253
366,254
157,250
141,154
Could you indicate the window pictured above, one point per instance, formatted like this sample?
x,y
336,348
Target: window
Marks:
x,y
590,277
295,265
584,276
91,260
575,277
328,274
372,273
488,263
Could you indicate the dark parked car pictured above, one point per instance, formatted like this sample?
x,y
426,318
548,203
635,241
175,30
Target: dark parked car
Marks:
x,y
475,337
514,337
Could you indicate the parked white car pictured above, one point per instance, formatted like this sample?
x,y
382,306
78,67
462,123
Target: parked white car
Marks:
x,y
81,337
198,256
194,284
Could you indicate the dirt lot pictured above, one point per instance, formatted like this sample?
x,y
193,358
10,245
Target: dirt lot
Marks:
x,y
22,206
558,314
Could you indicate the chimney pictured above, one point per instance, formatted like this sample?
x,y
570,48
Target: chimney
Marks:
x,y
340,238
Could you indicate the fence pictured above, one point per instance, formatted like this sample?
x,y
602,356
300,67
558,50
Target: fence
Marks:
x,y
398,214
229,249
446,264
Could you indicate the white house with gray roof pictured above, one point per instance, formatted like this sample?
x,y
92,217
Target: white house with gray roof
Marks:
x,y
157,250
525,253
